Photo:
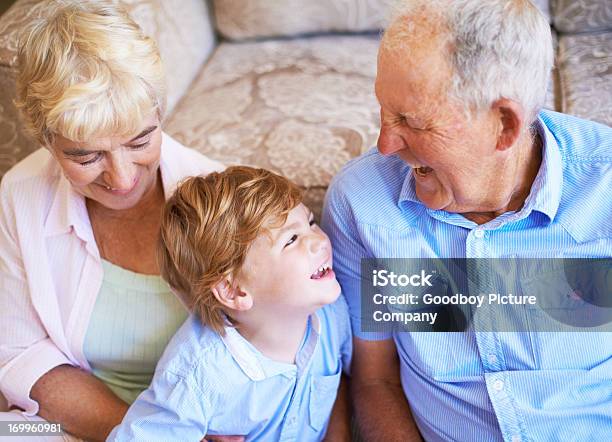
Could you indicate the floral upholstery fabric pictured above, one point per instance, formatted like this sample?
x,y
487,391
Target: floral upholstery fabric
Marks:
x,y
11,22
582,15
301,107
585,68
244,19
15,144
182,29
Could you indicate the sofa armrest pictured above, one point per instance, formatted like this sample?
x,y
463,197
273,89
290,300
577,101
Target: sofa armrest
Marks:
x,y
15,143
11,22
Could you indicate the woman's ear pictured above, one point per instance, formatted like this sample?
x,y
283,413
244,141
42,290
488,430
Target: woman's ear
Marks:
x,y
231,296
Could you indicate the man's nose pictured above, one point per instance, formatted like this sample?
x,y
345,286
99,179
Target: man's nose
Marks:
x,y
121,173
389,142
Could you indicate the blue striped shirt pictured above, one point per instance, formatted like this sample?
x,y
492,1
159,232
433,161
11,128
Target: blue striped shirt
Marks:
x,y
208,384
519,386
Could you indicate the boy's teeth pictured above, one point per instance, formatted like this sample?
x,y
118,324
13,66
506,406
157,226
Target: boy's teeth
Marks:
x,y
321,271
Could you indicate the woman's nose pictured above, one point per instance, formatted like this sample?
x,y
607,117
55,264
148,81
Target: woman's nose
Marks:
x,y
121,173
389,142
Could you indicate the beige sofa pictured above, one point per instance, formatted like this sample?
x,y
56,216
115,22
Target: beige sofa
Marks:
x,y
288,84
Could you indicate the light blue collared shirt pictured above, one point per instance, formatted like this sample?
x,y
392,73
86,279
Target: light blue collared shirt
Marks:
x,y
208,384
477,386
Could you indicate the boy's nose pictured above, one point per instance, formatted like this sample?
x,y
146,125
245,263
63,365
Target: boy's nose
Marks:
x,y
317,242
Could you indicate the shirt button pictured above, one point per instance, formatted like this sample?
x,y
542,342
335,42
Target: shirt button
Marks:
x,y
498,385
492,359
516,438
479,233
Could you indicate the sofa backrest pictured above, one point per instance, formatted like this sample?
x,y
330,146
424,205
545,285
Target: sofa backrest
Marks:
x,y
574,16
250,19
184,34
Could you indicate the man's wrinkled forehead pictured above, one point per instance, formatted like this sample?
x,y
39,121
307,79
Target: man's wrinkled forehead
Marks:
x,y
423,27
404,60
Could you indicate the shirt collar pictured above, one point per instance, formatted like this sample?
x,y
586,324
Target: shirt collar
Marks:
x,y
68,211
258,367
545,194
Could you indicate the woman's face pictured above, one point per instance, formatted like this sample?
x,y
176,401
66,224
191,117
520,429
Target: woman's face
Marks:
x,y
114,171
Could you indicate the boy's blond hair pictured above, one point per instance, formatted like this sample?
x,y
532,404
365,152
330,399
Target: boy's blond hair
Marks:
x,y
208,225
86,70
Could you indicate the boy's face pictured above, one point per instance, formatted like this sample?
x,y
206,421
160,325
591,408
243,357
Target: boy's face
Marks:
x,y
291,269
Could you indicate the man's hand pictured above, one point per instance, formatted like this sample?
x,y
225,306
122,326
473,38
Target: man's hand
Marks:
x,y
378,397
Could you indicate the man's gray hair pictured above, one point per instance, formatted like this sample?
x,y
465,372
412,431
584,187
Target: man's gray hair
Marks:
x,y
498,48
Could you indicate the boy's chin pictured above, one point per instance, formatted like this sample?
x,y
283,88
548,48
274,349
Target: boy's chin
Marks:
x,y
332,295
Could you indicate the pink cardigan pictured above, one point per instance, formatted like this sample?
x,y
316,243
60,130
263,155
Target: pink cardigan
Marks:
x,y
50,268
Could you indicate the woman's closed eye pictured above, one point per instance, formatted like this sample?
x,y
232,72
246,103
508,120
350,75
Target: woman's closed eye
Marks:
x,y
140,146
97,156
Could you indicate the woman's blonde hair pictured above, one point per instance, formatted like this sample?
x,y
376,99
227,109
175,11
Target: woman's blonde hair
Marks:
x,y
208,225
87,70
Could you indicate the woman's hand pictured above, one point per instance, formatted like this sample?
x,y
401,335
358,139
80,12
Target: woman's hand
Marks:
x,y
79,401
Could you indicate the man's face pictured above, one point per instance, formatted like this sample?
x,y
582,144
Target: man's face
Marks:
x,y
453,157
290,271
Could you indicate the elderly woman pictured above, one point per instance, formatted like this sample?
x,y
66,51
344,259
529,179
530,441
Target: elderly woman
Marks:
x,y
84,314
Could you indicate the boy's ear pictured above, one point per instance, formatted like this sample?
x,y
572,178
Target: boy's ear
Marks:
x,y
231,296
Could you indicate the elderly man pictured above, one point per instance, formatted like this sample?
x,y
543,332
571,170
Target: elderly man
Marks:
x,y
468,166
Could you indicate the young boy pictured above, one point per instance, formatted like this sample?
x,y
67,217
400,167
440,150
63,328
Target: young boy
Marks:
x,y
263,353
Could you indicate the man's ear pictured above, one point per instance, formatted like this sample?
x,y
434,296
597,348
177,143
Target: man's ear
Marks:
x,y
511,117
231,296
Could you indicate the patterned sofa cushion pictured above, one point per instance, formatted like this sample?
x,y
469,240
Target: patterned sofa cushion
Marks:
x,y
302,107
246,19
582,15
585,73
